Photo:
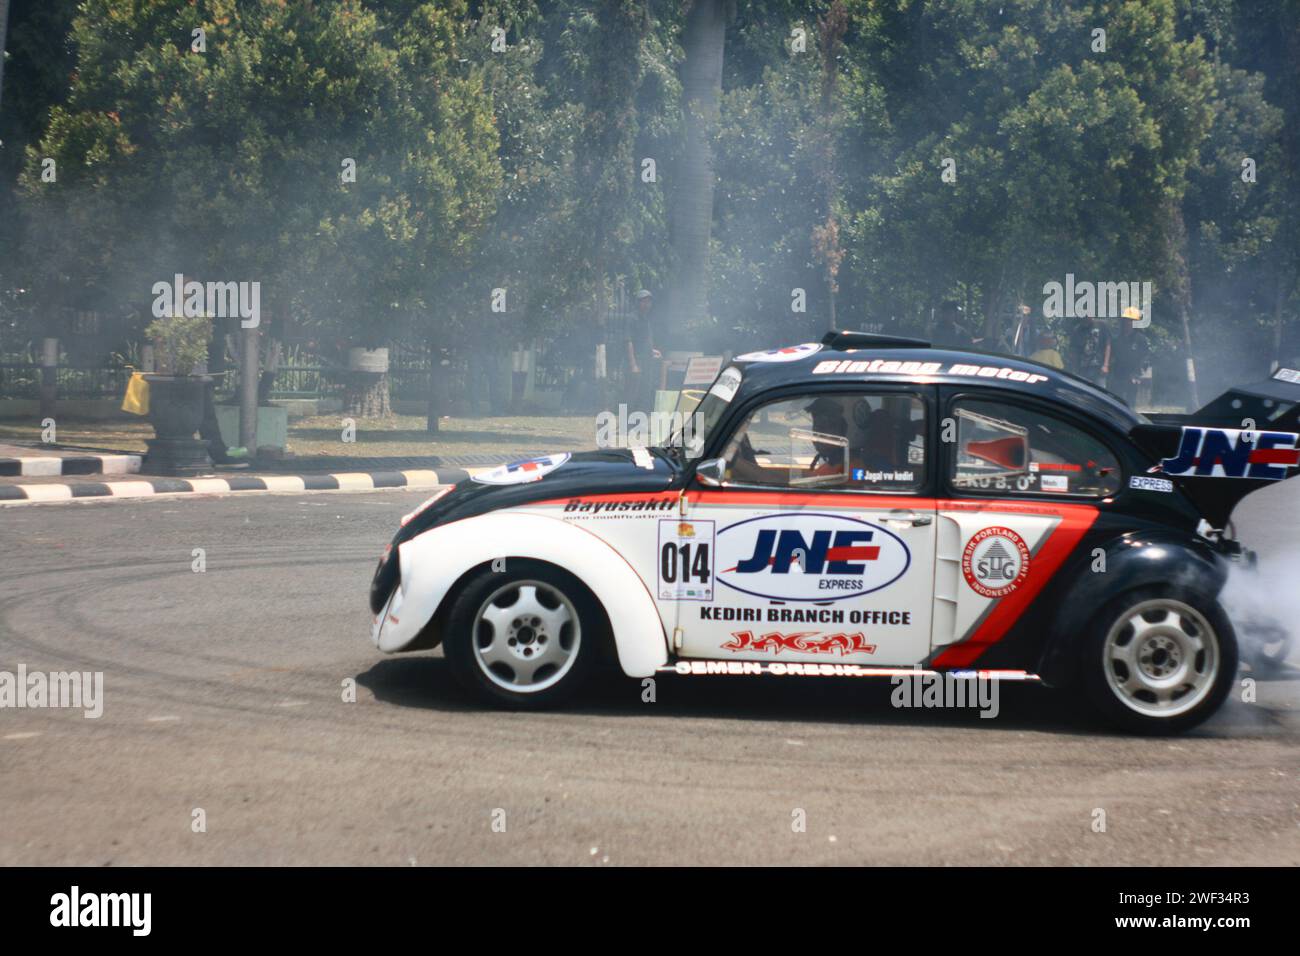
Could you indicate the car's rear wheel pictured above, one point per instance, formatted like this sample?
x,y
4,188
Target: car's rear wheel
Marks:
x,y
1159,662
525,637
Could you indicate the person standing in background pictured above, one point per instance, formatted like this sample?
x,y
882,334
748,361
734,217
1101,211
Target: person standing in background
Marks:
x,y
949,333
1132,354
1047,353
1091,351
642,356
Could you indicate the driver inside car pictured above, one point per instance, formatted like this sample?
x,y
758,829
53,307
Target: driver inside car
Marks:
x,y
870,435
838,423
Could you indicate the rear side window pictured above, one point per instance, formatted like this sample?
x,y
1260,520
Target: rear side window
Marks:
x,y
1005,449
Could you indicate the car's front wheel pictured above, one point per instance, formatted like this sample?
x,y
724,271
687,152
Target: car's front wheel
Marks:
x,y
1159,662
525,637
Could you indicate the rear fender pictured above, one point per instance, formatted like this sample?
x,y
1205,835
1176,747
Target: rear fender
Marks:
x,y
432,562
1135,560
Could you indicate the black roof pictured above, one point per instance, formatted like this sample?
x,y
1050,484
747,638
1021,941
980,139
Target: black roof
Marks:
x,y
860,357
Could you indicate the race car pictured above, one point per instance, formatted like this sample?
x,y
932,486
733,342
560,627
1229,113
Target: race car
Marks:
x,y
863,506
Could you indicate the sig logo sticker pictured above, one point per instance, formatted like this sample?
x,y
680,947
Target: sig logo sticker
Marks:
x,y
995,562
522,472
809,557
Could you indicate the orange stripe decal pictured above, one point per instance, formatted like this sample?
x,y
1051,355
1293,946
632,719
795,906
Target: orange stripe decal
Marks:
x,y
1059,545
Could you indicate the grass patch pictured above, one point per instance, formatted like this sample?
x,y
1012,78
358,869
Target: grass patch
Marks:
x,y
405,435
399,436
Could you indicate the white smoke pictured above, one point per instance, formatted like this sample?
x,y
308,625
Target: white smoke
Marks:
x,y
1264,605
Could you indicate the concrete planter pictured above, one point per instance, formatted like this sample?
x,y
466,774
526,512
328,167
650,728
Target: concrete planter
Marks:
x,y
176,413
272,427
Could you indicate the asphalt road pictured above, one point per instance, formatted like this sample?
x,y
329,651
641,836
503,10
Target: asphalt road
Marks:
x,y
224,694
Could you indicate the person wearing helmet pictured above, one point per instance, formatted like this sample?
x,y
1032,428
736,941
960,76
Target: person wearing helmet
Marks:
x,y
870,437
853,444
828,421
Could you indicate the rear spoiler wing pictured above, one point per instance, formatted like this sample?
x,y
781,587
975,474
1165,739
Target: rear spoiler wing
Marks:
x,y
1245,439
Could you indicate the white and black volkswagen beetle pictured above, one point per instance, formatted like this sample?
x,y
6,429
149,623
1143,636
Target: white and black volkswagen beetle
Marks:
x,y
863,506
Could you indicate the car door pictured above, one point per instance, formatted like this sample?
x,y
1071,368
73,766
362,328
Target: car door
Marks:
x,y
1022,486
820,535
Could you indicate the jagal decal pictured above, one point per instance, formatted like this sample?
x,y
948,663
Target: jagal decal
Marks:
x,y
1233,453
995,562
809,557
807,642
522,472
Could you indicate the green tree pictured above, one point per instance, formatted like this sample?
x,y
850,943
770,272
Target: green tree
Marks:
x,y
1061,156
224,159
37,63
703,40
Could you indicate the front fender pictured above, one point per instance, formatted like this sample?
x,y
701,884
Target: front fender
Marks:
x,y
436,559
1135,560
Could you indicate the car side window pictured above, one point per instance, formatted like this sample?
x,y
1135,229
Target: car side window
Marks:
x,y
850,441
1006,449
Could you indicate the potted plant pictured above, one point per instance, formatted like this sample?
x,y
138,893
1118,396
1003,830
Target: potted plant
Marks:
x,y
177,392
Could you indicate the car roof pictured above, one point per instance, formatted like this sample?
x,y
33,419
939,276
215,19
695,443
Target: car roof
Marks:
x,y
858,358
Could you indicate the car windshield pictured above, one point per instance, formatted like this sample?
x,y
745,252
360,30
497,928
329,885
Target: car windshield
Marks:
x,y
698,412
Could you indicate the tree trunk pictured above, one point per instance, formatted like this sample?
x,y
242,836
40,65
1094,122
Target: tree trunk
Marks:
x,y
4,29
365,395
830,36
703,39
993,291
1176,233
433,411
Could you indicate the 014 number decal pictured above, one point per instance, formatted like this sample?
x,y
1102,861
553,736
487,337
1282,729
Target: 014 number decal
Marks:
x,y
676,563
685,560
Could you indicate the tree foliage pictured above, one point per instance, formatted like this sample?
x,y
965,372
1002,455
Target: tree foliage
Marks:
x,y
869,160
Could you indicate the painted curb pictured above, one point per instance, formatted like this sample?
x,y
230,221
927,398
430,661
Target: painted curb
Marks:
x,y
234,484
44,466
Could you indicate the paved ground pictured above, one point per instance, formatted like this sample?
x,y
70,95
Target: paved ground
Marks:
x,y
224,694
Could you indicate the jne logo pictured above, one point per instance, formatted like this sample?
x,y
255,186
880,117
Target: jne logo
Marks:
x,y
834,552
817,557
1232,453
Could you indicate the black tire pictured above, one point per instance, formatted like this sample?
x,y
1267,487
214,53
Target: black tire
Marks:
x,y
1207,675
526,635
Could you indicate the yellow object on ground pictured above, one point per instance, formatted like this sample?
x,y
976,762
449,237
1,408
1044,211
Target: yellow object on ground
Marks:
x,y
136,399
